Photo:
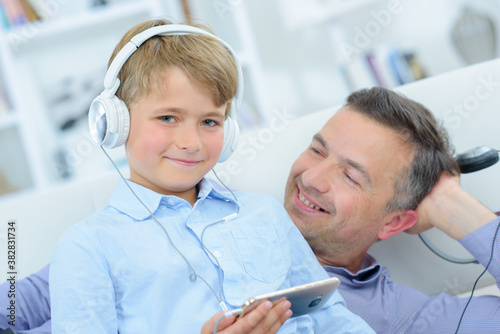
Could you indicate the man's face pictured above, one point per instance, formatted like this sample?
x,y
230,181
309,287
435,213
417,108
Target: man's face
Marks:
x,y
339,187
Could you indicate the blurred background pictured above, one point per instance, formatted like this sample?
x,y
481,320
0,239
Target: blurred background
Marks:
x,y
298,56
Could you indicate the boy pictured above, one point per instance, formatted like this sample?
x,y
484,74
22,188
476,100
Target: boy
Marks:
x,y
164,257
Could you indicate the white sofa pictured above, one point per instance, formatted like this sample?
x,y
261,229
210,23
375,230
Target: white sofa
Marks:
x,y
262,164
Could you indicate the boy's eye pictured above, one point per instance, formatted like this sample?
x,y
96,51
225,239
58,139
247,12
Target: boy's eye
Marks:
x,y
209,122
167,119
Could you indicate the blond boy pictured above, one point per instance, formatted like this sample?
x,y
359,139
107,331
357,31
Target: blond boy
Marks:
x,y
161,257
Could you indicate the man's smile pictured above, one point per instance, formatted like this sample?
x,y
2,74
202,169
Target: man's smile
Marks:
x,y
306,202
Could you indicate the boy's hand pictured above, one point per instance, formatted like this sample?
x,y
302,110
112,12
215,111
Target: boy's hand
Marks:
x,y
264,319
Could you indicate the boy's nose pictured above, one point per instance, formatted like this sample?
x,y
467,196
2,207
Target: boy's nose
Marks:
x,y
188,139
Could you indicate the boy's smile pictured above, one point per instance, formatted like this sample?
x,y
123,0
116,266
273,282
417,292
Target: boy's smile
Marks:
x,y
187,163
176,136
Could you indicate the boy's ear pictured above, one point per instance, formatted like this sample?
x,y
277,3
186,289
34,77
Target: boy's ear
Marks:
x,y
398,223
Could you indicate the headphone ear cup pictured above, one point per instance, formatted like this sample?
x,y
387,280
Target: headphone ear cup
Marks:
x,y
109,121
231,135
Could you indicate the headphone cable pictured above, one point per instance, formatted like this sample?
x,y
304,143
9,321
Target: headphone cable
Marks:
x,y
234,196
441,254
477,280
226,315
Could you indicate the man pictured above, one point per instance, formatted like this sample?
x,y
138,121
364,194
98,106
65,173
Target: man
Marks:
x,y
31,314
361,180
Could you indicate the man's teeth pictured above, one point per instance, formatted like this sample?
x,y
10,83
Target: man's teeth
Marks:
x,y
306,202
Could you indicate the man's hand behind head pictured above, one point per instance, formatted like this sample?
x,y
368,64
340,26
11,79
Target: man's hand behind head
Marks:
x,y
451,209
434,205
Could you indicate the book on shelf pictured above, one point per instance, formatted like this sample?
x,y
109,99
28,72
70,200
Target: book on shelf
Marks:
x,y
14,13
42,8
400,67
384,67
379,62
5,186
415,66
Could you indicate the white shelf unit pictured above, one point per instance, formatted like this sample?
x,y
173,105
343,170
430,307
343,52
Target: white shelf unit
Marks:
x,y
39,62
34,54
92,16
299,14
16,164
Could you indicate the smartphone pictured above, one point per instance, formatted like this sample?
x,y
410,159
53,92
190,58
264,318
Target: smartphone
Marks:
x,y
305,298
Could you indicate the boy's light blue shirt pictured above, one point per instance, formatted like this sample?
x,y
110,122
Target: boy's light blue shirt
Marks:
x,y
117,271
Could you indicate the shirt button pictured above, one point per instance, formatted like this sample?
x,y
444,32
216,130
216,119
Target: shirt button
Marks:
x,y
217,254
171,201
163,207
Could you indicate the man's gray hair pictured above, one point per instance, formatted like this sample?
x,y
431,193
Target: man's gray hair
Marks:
x,y
432,153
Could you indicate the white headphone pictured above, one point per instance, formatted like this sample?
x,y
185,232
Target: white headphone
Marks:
x,y
109,118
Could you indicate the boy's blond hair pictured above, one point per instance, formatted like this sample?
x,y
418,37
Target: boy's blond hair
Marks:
x,y
203,58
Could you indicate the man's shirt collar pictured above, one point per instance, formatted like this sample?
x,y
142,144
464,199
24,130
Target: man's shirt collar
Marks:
x,y
369,272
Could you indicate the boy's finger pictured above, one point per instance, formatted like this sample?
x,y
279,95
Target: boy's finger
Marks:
x,y
266,318
208,327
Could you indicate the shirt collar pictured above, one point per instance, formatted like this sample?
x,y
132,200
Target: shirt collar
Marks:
x,y
212,189
370,270
125,201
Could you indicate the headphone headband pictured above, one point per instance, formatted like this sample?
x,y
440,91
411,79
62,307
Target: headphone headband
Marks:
x,y
109,119
111,81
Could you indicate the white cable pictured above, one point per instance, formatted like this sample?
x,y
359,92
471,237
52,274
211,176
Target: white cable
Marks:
x,y
219,299
234,196
226,315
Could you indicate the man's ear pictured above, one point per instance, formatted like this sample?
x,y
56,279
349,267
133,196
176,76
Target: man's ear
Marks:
x,y
399,222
